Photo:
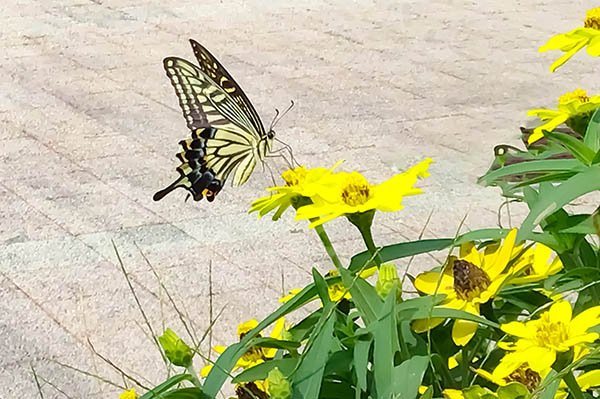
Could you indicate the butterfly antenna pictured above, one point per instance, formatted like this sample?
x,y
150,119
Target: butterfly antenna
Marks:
x,y
276,120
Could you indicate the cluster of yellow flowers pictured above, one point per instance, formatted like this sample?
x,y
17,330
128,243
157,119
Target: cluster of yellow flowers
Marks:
x,y
475,277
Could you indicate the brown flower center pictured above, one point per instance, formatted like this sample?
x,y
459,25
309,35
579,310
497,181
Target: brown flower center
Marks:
x,y
592,19
469,280
357,190
526,376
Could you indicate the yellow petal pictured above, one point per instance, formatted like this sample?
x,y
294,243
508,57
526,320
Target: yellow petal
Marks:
x,y
429,282
549,126
463,331
562,42
422,325
205,370
585,320
540,359
517,329
567,56
453,394
560,311
593,47
499,262
588,380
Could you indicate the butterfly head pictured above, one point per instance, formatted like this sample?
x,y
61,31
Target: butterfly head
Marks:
x,y
271,134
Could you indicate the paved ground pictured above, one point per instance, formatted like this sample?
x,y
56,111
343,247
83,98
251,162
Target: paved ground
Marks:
x,y
89,126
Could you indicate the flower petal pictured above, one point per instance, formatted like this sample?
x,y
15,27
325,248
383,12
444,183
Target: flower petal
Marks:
x,y
585,320
560,311
423,325
463,331
517,329
567,56
430,282
589,380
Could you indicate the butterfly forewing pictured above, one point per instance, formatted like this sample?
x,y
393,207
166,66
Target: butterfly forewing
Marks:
x,y
213,68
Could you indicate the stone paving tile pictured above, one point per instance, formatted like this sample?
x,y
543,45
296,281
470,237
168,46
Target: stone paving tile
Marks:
x,y
89,128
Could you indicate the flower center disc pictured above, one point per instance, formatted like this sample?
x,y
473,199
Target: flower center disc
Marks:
x,y
592,19
294,177
551,334
576,95
469,280
356,191
526,376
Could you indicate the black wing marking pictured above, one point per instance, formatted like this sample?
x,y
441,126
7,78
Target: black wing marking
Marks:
x,y
213,68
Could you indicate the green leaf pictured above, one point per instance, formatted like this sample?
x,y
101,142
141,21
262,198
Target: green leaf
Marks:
x,y
557,197
550,384
407,377
513,390
592,134
361,361
575,146
446,313
364,296
385,346
185,393
306,381
260,372
401,250
267,342
227,360
414,308
481,235
165,386
322,287
530,167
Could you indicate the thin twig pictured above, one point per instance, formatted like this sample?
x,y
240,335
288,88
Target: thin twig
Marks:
x,y
139,304
87,373
169,297
37,382
117,368
210,310
56,388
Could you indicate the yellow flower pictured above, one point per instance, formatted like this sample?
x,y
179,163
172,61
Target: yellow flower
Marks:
x,y
574,109
536,264
254,355
299,183
539,340
337,291
129,394
351,193
573,41
469,281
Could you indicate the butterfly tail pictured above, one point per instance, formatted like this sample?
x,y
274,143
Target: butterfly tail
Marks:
x,y
199,180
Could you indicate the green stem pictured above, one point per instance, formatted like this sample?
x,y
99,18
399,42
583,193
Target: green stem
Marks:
x,y
368,239
194,375
328,246
574,388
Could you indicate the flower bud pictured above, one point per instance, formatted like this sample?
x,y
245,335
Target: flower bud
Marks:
x,y
388,275
175,349
278,386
